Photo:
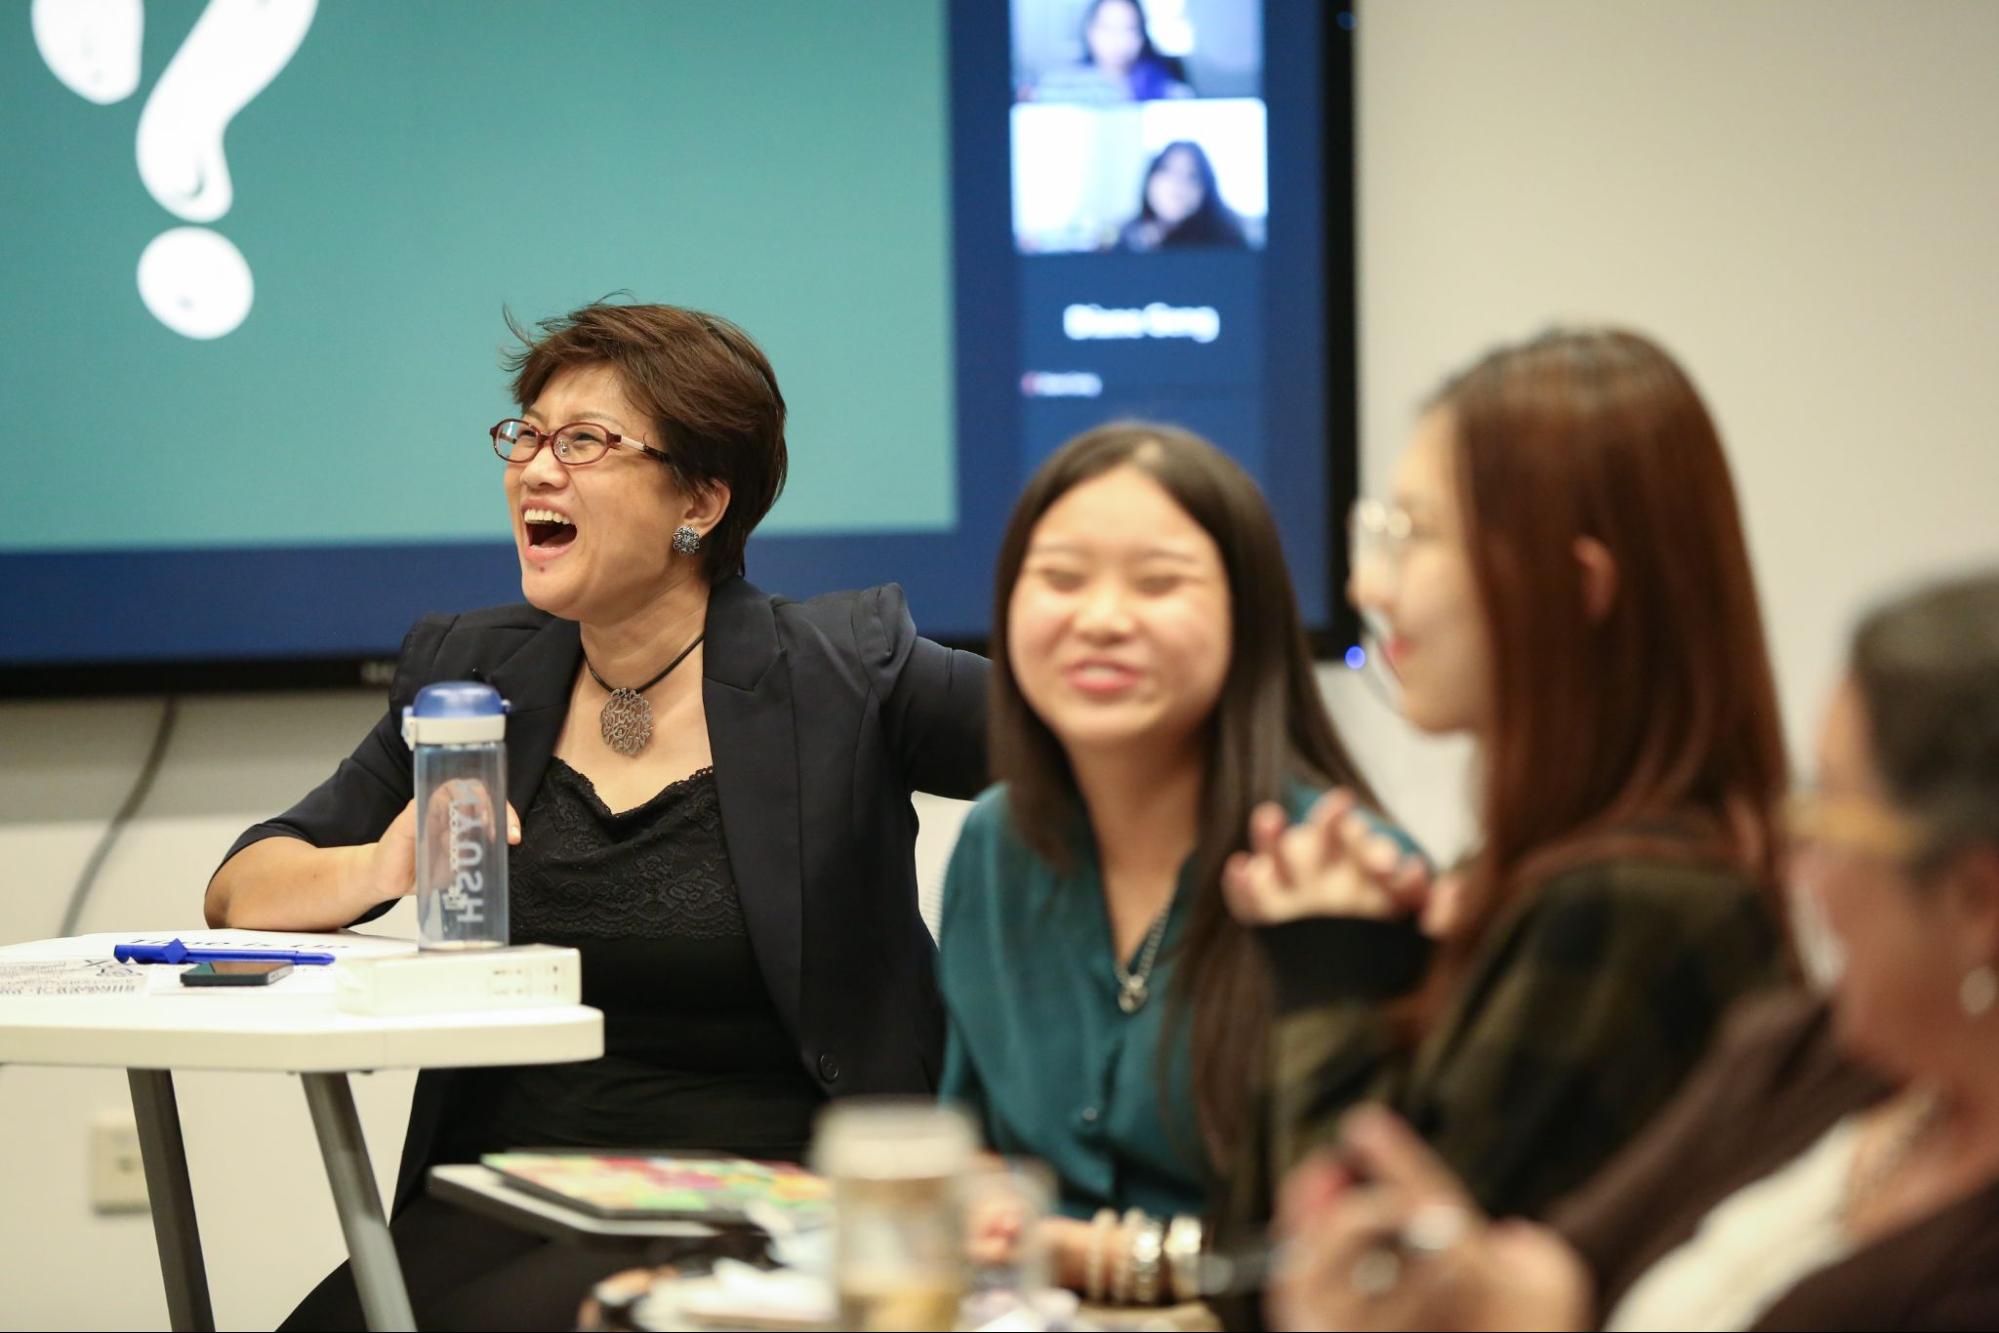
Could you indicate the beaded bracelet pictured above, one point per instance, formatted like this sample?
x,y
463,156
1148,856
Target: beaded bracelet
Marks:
x,y
1183,1257
1101,1227
1147,1242
1121,1270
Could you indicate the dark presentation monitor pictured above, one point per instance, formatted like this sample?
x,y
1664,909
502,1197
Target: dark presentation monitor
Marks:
x,y
256,279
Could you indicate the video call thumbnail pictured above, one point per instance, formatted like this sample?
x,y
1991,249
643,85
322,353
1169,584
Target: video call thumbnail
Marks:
x,y
1137,126
1139,179
1105,52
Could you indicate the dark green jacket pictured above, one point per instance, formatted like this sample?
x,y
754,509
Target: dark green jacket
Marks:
x,y
1583,1008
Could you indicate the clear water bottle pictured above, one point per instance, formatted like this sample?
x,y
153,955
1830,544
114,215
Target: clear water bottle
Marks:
x,y
456,730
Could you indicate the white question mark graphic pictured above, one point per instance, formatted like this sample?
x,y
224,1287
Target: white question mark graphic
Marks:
x,y
194,280
92,45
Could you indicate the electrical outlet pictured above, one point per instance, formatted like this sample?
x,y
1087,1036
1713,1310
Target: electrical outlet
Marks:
x,y
117,1171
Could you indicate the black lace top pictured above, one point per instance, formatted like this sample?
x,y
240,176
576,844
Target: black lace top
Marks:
x,y
694,1054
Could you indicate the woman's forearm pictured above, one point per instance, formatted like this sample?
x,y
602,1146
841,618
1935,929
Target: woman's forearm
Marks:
x,y
289,884
1070,1244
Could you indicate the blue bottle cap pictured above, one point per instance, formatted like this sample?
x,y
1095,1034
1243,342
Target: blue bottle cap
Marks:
x,y
458,698
455,712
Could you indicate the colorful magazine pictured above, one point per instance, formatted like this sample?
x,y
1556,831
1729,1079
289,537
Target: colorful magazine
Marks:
x,y
637,1186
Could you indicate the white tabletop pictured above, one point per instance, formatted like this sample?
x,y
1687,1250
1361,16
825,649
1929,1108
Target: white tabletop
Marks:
x,y
292,1025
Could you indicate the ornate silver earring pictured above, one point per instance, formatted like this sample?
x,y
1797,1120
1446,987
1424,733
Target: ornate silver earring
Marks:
x,y
686,540
1979,991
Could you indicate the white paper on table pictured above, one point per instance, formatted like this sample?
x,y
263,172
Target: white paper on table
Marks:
x,y
70,976
79,954
734,1292
341,943
303,979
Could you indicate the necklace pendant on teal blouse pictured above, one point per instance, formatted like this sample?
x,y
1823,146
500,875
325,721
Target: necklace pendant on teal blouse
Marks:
x,y
1134,986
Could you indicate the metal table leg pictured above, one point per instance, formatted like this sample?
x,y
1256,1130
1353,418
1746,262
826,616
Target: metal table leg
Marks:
x,y
378,1274
172,1199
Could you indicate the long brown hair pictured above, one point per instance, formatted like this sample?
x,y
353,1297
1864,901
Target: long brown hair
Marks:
x,y
1649,727
1269,729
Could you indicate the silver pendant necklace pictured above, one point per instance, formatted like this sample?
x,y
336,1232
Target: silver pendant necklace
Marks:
x,y
1892,1150
1135,986
626,720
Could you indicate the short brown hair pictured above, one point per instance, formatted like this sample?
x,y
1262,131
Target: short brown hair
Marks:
x,y
705,386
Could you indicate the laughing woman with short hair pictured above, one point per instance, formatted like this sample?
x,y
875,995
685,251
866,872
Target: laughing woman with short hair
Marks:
x,y
713,786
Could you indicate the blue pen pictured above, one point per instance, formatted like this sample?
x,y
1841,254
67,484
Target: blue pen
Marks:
x,y
175,952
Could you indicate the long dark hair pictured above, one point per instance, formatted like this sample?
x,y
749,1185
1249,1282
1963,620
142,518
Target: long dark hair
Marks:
x,y
1149,56
1213,223
1269,730
1660,716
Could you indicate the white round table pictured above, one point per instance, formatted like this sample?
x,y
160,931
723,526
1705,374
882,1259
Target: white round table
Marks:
x,y
292,1026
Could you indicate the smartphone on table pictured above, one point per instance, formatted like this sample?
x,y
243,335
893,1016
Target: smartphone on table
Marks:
x,y
244,972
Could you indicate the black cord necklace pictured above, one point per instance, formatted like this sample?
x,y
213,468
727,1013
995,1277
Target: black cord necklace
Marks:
x,y
627,718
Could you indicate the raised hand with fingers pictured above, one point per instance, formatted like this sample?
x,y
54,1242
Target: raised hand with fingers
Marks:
x,y
1340,860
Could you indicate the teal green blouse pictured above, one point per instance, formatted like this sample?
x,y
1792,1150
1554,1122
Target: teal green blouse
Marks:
x,y
1037,1047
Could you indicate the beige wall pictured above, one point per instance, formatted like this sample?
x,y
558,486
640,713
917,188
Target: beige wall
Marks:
x,y
265,1212
1797,197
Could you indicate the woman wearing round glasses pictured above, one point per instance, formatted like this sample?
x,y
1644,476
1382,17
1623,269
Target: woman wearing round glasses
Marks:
x,y
699,769
1561,574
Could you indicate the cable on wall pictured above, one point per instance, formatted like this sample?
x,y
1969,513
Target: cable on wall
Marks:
x,y
141,786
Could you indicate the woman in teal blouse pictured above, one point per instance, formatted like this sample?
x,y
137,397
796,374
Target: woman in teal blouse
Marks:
x,y
1151,685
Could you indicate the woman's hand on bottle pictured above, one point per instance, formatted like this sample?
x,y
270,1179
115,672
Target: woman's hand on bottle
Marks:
x,y
389,870
1338,861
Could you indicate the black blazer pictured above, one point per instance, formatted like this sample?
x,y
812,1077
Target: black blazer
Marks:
x,y
823,716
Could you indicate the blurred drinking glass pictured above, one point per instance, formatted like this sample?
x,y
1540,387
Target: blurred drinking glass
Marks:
x,y
898,1170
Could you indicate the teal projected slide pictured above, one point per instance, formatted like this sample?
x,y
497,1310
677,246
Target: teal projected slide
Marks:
x,y
257,253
